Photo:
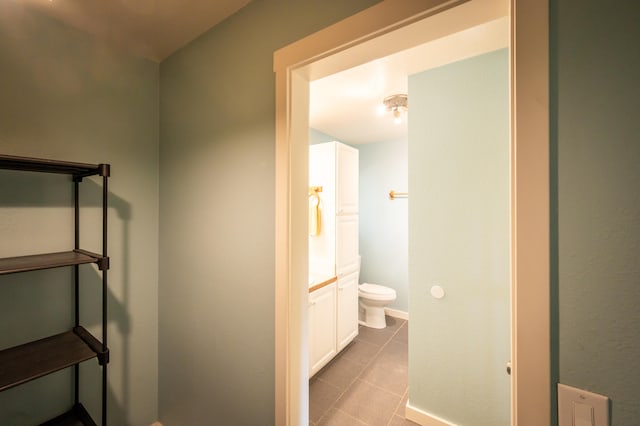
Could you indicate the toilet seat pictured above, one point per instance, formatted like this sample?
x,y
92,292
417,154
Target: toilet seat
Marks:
x,y
376,292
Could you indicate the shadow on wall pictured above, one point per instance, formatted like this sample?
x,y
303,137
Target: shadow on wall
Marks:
x,y
40,303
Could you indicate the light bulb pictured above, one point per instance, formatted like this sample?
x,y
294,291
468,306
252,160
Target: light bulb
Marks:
x,y
397,116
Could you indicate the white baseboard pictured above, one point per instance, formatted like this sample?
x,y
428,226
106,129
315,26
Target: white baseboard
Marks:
x,y
397,314
423,418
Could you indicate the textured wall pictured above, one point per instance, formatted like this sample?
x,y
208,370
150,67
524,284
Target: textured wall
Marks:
x,y
65,96
596,99
217,213
459,221
384,223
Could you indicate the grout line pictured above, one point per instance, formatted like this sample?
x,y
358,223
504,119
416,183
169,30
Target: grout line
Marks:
x,y
383,389
343,412
346,389
358,377
398,406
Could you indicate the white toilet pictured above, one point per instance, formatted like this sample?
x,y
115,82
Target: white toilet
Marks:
x,y
373,298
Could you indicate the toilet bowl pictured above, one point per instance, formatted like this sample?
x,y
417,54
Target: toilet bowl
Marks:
x,y
372,299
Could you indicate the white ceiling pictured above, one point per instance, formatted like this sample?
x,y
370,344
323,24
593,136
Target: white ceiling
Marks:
x,y
150,28
346,105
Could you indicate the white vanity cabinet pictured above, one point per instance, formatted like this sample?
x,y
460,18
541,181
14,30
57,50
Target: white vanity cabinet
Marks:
x,y
322,327
347,310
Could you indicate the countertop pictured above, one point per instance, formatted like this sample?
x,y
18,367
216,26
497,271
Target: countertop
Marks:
x,y
318,283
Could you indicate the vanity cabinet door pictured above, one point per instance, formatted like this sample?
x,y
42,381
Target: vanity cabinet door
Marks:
x,y
322,327
347,327
346,179
347,248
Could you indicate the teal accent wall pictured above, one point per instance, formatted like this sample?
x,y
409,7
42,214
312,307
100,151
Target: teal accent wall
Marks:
x,y
217,159
459,222
595,64
384,223
65,96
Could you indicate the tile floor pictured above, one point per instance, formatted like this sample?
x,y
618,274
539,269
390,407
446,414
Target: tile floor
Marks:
x,y
366,383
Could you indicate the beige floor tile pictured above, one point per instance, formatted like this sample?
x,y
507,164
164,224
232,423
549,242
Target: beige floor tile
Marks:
x,y
402,335
369,404
395,352
339,418
341,372
366,384
322,396
361,351
388,376
375,336
403,404
401,421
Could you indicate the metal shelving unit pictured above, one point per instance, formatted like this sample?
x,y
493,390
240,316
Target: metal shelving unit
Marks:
x,y
32,360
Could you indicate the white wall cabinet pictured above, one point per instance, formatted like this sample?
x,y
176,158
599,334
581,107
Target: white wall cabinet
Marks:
x,y
333,309
322,327
347,310
333,166
347,179
347,246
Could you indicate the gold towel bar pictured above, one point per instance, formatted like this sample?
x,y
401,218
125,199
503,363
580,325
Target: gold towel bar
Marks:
x,y
393,195
313,190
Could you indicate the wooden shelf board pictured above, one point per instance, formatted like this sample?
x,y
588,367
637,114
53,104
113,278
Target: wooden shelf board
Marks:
x,y
9,265
77,416
23,363
10,162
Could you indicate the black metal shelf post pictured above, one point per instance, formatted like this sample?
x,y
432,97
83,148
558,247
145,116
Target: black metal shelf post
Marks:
x,y
32,360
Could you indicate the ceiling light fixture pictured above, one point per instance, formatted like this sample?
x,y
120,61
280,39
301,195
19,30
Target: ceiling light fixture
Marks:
x,y
398,105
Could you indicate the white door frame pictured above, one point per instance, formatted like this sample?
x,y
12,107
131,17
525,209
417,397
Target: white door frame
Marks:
x,y
323,53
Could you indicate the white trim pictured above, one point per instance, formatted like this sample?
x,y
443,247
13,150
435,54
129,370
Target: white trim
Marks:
x,y
396,313
423,418
295,66
530,214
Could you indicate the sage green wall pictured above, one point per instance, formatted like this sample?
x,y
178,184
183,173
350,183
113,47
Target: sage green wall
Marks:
x,y
459,222
217,160
596,99
65,96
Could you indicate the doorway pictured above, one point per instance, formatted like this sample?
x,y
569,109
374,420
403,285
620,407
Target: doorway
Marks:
x,y
323,54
